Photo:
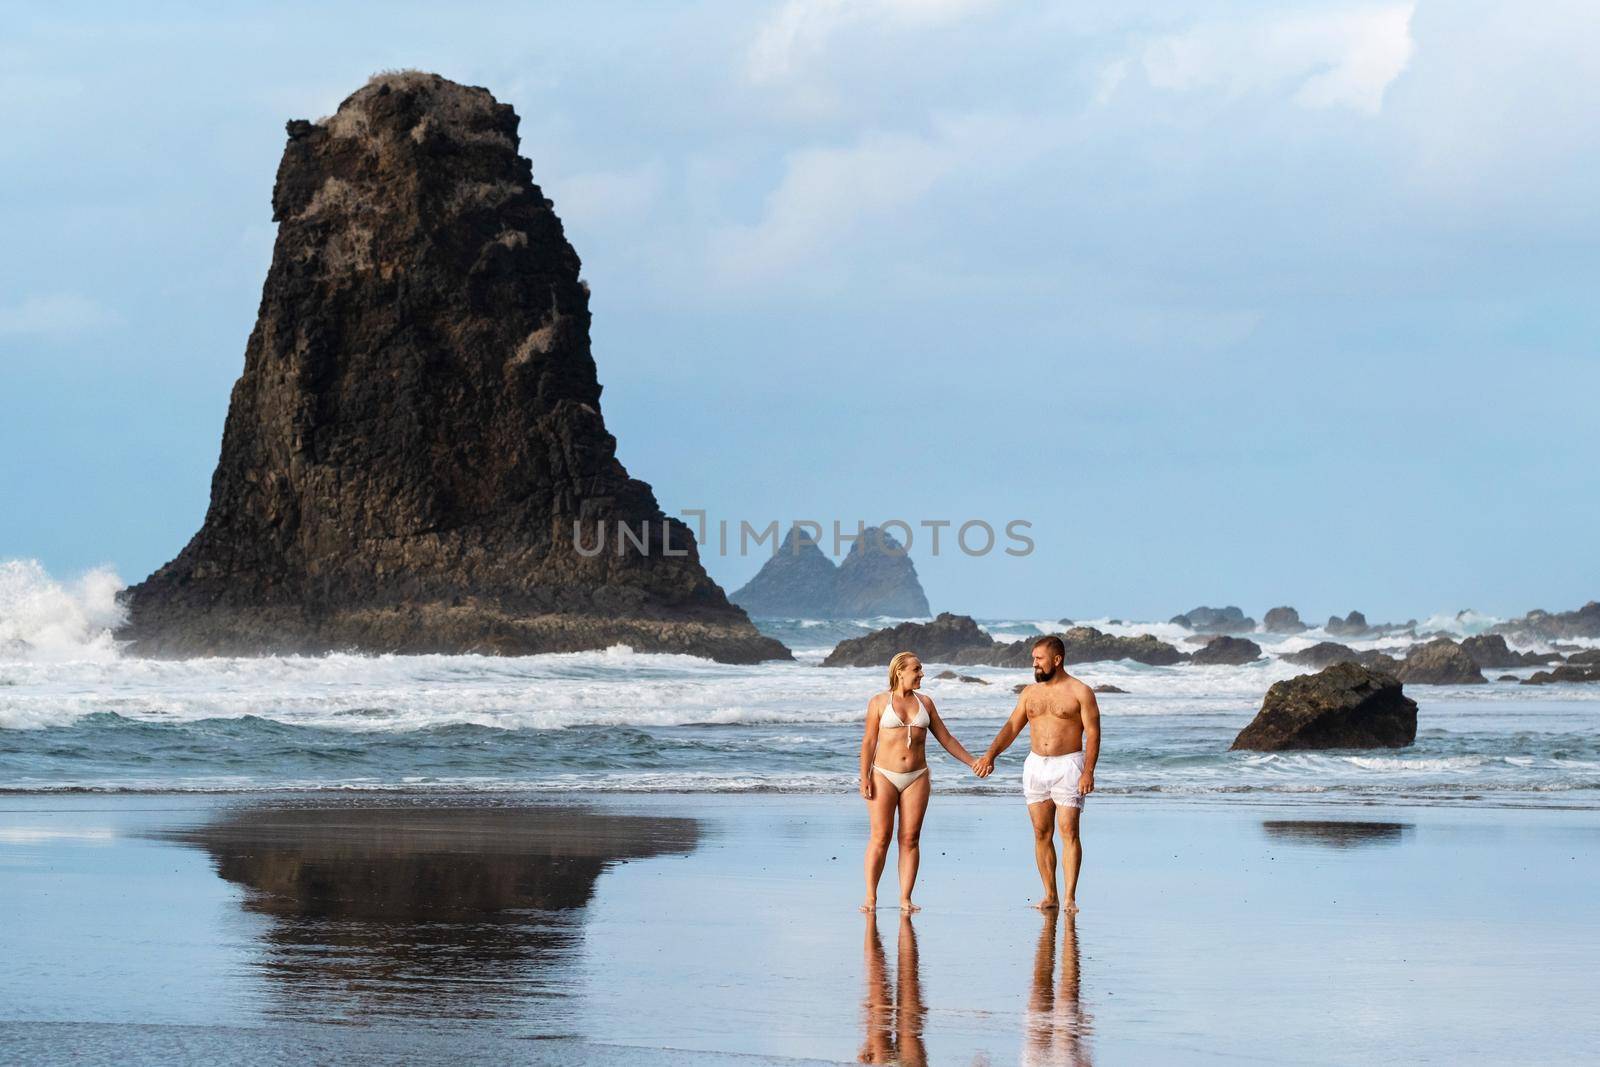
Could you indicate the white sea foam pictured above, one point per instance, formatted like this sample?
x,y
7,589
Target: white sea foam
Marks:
x,y
41,619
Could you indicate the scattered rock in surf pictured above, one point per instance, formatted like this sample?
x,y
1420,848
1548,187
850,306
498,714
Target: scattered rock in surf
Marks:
x,y
1567,672
1440,662
1327,653
1342,706
1108,688
1231,651
1352,625
952,676
1582,659
1490,651
1506,678
1557,625
1284,620
1228,620
947,639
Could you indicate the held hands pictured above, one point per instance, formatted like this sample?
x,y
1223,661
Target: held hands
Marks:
x,y
983,766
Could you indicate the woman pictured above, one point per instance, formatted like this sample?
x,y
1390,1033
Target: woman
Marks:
x,y
894,771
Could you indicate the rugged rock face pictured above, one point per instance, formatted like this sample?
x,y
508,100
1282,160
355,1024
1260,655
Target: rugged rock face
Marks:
x,y
957,639
1490,650
1343,706
1228,620
1565,673
1283,621
877,577
1440,662
1228,650
944,640
417,431
796,583
1327,653
1585,622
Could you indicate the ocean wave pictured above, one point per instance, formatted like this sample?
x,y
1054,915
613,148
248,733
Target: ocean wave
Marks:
x,y
44,620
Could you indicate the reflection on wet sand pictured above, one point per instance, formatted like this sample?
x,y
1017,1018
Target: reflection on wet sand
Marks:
x,y
424,913
894,1017
1336,833
1058,1028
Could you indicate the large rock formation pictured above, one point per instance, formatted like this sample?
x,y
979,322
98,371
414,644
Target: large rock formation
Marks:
x,y
1439,662
414,458
957,639
1228,650
876,578
1490,651
1228,620
1327,653
1352,625
944,640
1557,625
1565,673
1283,620
1344,706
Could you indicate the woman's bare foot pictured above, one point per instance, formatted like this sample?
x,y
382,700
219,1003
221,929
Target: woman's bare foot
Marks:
x,y
1048,904
906,905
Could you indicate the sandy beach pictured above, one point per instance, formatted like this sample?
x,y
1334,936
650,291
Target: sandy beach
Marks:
x,y
683,929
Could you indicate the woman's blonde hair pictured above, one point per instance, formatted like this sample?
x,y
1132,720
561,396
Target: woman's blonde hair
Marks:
x,y
896,663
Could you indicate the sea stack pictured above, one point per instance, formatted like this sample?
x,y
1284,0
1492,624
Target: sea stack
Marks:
x,y
876,578
414,458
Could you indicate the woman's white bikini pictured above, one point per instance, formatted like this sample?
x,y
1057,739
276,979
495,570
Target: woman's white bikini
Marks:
x,y
889,720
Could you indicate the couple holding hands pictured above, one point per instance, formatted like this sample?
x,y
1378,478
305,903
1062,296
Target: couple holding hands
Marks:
x,y
1063,722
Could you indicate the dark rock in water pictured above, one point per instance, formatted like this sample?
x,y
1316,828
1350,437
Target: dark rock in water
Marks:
x,y
1344,706
1506,678
1554,626
1441,662
1283,621
1063,622
952,676
1327,653
1565,673
877,577
414,458
1228,650
1019,687
1352,625
798,582
944,640
1229,620
1085,644
1108,688
1490,651
1591,657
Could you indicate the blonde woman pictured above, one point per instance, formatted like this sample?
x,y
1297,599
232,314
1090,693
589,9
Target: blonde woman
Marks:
x,y
894,772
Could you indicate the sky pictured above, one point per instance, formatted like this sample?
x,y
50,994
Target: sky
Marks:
x,y
1233,303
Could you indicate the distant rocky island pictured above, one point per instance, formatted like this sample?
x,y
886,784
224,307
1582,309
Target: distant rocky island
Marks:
x,y
876,578
415,453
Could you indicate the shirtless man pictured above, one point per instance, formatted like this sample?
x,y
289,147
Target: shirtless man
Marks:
x,y
1064,727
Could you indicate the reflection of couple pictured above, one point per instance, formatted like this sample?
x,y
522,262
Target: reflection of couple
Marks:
x,y
1063,722
1057,1028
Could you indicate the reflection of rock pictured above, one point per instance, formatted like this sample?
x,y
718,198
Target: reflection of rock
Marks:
x,y
437,912
1228,620
944,640
877,577
1283,621
952,676
1565,673
1336,833
1344,706
415,457
1352,625
1228,650
1585,622
1439,662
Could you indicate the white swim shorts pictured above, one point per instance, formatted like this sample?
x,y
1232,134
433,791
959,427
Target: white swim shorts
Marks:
x,y
1055,777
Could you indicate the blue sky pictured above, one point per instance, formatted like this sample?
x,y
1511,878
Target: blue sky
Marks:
x,y
1235,303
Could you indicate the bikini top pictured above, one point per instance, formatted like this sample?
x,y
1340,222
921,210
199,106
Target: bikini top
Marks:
x,y
889,720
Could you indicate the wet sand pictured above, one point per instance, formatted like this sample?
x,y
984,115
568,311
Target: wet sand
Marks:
x,y
692,929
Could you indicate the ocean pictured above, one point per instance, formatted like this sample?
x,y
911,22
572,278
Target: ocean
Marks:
x,y
76,714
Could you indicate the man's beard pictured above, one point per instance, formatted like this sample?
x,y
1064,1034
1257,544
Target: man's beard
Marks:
x,y
1043,676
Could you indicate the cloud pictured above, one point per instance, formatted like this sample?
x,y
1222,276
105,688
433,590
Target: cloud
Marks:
x,y
594,198
802,29
1337,58
55,315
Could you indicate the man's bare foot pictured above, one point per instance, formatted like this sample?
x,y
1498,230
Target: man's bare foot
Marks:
x,y
871,905
1048,904
1071,908
906,905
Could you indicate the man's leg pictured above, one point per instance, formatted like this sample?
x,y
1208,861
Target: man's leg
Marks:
x,y
1074,853
1043,817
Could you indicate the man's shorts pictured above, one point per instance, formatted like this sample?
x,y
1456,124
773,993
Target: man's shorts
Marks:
x,y
1055,777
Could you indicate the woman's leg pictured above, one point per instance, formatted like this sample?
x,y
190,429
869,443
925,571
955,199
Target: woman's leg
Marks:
x,y
880,812
913,805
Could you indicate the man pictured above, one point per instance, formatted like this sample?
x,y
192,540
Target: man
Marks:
x,y
1064,729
